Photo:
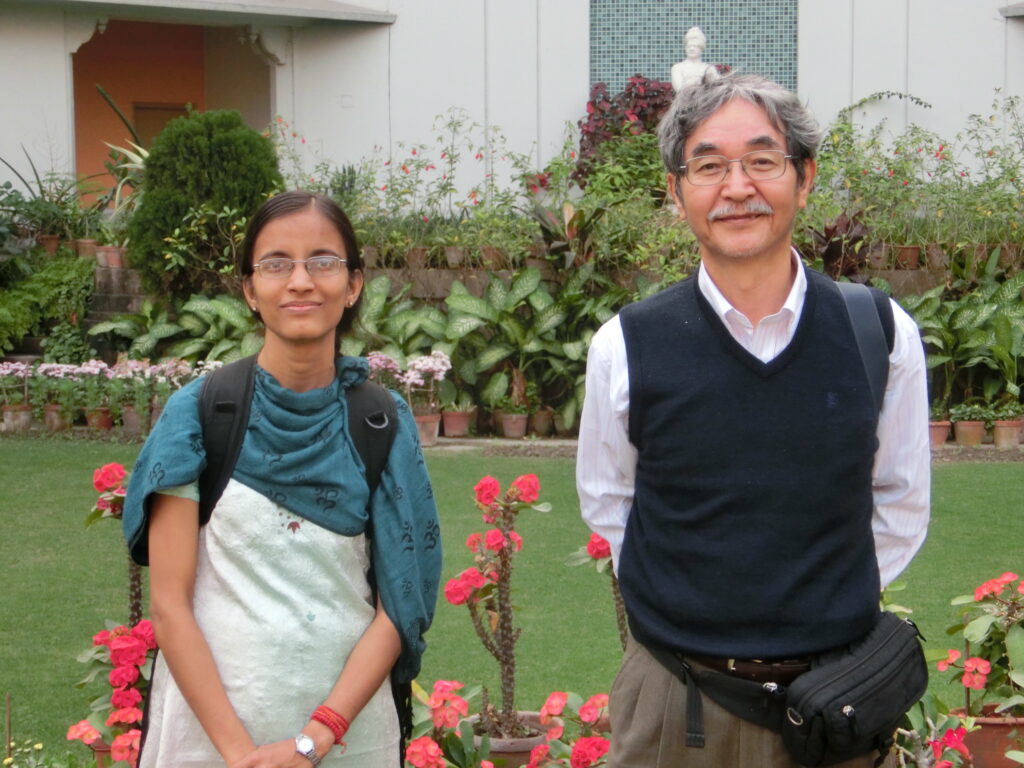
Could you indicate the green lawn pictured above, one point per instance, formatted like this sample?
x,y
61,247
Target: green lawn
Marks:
x,y
62,580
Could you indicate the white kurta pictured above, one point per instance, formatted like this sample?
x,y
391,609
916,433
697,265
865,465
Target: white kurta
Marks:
x,y
281,602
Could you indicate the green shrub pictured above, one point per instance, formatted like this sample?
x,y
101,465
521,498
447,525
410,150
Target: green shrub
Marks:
x,y
59,290
208,161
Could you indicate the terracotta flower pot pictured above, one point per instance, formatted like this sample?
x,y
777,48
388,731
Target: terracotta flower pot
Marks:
x,y
456,423
85,247
17,418
454,256
132,421
1006,434
50,243
53,418
989,744
513,425
542,422
428,425
908,256
99,418
416,258
938,432
969,433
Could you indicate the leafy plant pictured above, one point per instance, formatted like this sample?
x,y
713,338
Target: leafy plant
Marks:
x,y
396,326
220,328
141,333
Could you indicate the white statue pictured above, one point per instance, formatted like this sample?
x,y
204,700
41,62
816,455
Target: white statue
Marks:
x,y
692,69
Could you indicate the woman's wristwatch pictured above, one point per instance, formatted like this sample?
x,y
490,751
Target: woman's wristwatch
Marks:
x,y
305,746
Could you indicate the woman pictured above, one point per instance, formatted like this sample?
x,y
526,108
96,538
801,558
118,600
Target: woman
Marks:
x,y
271,642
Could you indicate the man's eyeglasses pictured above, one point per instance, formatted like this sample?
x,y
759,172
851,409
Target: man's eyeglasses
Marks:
x,y
316,266
759,165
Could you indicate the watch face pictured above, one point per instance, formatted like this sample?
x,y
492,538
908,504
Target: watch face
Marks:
x,y
304,743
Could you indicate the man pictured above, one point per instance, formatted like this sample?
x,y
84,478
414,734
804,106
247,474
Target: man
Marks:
x,y
730,449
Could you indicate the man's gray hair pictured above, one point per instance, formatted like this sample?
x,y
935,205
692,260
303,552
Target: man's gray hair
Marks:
x,y
695,103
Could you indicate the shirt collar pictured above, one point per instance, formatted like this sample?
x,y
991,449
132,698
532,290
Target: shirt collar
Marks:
x,y
792,306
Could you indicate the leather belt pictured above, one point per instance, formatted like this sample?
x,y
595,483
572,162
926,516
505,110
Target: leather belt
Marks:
x,y
782,672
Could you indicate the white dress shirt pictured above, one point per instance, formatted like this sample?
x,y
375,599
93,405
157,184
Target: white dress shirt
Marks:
x,y
901,477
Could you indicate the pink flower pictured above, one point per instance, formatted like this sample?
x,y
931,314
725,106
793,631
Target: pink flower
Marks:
x,y
101,638
448,711
943,665
125,697
555,731
954,739
125,715
475,541
490,514
990,587
108,476
1007,577
144,632
473,578
553,706
588,750
83,732
122,676
517,540
126,746
127,650
537,754
976,664
457,591
494,540
598,547
486,491
486,764
442,687
591,709
974,680
424,753
529,488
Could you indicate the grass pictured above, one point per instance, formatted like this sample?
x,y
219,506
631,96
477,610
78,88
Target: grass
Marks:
x,y
63,580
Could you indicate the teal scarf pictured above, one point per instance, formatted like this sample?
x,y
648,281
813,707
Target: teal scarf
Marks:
x,y
297,452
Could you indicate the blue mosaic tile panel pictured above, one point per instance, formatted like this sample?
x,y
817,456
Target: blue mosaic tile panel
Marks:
x,y
646,37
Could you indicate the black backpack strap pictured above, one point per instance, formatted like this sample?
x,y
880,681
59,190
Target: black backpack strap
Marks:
x,y
874,343
372,423
224,402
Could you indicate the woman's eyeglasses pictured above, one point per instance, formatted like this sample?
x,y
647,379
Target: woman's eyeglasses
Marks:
x,y
316,266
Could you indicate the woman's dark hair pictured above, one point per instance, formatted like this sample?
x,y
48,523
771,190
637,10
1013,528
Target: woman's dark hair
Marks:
x,y
296,201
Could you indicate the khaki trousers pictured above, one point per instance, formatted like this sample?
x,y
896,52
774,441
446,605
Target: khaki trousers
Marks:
x,y
648,717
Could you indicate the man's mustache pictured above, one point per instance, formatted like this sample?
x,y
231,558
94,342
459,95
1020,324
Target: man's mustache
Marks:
x,y
740,210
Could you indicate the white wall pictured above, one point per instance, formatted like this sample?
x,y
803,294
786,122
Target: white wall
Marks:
x,y
521,66
35,89
950,53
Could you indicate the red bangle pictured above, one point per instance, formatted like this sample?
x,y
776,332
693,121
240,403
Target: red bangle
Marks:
x,y
328,717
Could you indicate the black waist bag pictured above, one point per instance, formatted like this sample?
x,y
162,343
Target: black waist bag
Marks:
x,y
853,702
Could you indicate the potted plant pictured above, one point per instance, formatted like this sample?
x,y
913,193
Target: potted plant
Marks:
x,y
14,394
991,667
94,393
419,382
56,389
1006,425
485,589
513,415
970,420
457,412
938,424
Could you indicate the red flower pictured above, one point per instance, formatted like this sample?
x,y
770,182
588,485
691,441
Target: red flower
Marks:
x,y
553,706
479,155
495,540
83,732
122,676
954,739
127,651
107,477
424,753
529,488
598,547
517,540
457,591
473,577
975,681
101,638
125,715
588,750
474,541
537,754
405,168
976,664
125,697
591,710
126,746
486,491
1007,577
943,665
144,632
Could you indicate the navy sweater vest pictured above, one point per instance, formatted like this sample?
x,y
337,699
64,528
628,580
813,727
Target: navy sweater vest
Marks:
x,y
750,532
